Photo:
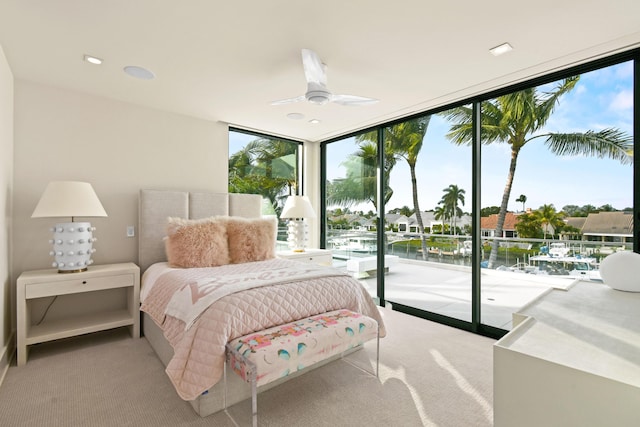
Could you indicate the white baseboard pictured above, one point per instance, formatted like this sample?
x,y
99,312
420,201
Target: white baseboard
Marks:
x,y
6,356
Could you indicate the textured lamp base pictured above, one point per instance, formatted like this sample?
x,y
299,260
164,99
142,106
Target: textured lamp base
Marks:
x,y
297,234
72,246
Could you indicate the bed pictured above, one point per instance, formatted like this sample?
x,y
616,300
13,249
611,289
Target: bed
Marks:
x,y
267,291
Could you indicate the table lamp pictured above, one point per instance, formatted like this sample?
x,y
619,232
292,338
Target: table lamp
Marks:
x,y
72,241
296,209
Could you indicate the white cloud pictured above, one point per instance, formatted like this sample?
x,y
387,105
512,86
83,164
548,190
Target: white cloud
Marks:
x,y
622,101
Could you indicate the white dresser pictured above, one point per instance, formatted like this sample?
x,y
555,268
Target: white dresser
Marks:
x,y
572,359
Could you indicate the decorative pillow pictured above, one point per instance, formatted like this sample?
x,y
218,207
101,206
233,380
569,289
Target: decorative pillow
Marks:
x,y
251,239
197,242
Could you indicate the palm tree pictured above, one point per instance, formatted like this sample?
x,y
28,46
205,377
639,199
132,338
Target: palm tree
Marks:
x,y
264,166
522,199
440,213
404,141
406,211
587,209
549,218
360,182
539,222
517,119
452,195
528,226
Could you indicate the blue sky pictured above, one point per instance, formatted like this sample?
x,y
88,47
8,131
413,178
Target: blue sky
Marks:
x,y
601,99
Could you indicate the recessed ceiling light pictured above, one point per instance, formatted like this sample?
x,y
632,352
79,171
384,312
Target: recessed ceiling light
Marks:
x,y
295,116
501,49
92,60
139,72
314,121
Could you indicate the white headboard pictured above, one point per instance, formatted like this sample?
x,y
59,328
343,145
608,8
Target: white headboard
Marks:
x,y
155,206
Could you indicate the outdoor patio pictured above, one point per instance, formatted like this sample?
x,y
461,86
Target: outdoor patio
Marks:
x,y
446,289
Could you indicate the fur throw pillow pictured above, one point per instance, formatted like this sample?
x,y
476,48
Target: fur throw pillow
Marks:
x,y
251,239
197,243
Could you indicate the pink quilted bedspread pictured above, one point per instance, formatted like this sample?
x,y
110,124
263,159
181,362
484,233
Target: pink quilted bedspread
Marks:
x,y
198,360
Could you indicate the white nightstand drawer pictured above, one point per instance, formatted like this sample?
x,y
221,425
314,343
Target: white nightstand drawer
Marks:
x,y
316,259
315,256
72,286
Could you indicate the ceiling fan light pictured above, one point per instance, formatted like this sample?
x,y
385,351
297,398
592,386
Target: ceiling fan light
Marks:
x,y
317,97
318,100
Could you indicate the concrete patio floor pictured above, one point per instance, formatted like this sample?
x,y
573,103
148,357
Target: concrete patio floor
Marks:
x,y
446,289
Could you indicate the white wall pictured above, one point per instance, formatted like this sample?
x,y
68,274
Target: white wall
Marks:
x,y
119,148
6,193
311,188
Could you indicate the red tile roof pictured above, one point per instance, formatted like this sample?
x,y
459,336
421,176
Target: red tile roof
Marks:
x,y
490,222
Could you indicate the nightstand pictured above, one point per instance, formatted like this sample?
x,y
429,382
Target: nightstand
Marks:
x,y
103,297
317,256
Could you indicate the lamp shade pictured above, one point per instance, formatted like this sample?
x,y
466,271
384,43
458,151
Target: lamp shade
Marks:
x,y
297,207
68,199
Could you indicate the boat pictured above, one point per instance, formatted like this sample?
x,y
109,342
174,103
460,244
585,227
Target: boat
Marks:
x,y
466,249
584,268
556,249
355,243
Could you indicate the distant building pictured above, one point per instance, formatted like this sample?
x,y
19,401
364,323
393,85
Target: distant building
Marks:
x,y
609,227
410,224
397,222
488,225
616,227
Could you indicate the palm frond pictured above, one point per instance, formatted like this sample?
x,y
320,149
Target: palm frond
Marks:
x,y
608,143
549,100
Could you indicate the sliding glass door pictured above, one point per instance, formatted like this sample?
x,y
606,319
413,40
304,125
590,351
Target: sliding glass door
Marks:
x,y
557,186
427,218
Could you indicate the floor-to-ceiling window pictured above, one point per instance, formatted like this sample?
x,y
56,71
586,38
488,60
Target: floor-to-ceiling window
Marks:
x,y
265,165
549,167
352,203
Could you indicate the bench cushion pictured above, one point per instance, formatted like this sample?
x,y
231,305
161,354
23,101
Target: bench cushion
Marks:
x,y
276,352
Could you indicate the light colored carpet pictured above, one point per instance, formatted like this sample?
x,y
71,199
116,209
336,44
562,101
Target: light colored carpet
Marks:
x,y
430,375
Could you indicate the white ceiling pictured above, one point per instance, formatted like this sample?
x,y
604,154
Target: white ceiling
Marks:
x,y
227,60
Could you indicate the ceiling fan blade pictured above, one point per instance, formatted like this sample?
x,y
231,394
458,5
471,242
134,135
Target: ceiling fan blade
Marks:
x,y
314,69
288,100
352,100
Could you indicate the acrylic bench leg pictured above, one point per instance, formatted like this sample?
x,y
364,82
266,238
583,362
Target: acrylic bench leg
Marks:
x,y
254,399
224,377
378,354
373,371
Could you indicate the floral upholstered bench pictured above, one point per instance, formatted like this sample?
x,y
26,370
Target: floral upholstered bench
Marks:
x,y
265,356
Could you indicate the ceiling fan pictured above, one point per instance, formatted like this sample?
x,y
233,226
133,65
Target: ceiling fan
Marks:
x,y
317,92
